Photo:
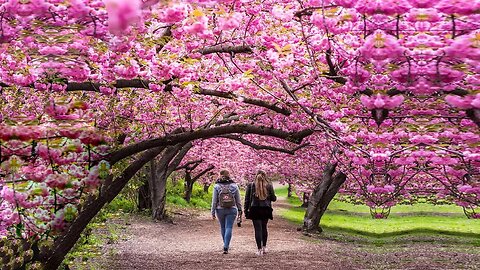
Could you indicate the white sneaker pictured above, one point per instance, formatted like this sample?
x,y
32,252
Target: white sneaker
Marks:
x,y
259,252
264,250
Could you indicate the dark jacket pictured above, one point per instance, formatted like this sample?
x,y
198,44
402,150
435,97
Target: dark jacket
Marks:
x,y
253,201
224,180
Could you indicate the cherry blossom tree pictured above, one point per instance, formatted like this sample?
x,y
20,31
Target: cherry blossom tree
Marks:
x,y
381,95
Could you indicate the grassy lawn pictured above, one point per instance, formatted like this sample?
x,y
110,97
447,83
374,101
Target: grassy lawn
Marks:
x,y
426,221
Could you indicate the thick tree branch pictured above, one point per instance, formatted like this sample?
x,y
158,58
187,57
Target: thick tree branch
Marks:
x,y
172,139
265,147
189,164
68,239
223,48
209,168
144,84
256,102
333,72
95,87
321,122
179,157
137,83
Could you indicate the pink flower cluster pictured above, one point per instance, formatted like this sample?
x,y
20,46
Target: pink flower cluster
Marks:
x,y
381,102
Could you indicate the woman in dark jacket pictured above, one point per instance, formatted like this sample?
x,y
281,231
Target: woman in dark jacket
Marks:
x,y
258,207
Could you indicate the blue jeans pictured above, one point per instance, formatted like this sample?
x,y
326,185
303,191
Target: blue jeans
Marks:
x,y
226,217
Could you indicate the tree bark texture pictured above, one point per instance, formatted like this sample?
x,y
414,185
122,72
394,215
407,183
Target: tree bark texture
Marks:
x,y
206,187
163,169
188,185
189,180
321,197
144,200
305,198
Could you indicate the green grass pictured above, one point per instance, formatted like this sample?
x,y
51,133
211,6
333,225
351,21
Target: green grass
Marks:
x,y
346,220
199,199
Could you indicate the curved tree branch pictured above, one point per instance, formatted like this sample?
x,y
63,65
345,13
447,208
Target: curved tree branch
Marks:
x,y
209,168
68,239
189,165
172,139
223,48
265,147
333,71
256,102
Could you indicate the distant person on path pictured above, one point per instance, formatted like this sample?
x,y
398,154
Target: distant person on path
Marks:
x,y
226,204
258,207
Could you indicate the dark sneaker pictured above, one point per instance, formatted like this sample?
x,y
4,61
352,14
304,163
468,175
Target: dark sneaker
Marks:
x,y
225,250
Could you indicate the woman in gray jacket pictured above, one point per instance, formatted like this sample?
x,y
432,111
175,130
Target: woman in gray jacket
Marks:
x,y
226,205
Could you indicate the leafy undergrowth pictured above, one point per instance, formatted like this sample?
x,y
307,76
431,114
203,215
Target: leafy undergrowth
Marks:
x,y
199,199
107,228
406,224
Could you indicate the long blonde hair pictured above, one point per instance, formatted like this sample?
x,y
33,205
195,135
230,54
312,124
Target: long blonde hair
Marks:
x,y
261,184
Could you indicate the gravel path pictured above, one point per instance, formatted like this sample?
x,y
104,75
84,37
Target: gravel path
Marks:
x,y
193,241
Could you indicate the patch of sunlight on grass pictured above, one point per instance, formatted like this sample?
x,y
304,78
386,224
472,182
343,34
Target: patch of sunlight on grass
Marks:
x,y
425,219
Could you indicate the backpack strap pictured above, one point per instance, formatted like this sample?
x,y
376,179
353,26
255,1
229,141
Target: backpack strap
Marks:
x,y
222,187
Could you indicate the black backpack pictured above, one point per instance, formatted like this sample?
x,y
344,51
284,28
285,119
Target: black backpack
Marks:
x,y
225,197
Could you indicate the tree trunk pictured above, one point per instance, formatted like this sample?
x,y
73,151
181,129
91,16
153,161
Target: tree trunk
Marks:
x,y
189,181
188,186
206,186
305,200
321,197
289,190
158,187
65,242
170,160
144,200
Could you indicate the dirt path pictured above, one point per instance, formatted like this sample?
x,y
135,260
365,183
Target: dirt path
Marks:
x,y
194,242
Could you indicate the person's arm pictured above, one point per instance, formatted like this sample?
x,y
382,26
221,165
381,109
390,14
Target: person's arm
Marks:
x,y
214,200
273,198
247,198
238,200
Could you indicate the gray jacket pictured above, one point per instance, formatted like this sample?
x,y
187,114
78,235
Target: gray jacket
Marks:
x,y
233,189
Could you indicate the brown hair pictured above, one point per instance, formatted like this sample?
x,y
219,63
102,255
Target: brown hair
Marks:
x,y
261,184
225,173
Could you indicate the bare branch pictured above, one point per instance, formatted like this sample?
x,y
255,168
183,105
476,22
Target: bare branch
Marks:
x,y
189,164
321,122
165,38
309,11
256,102
333,71
223,48
209,168
265,147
